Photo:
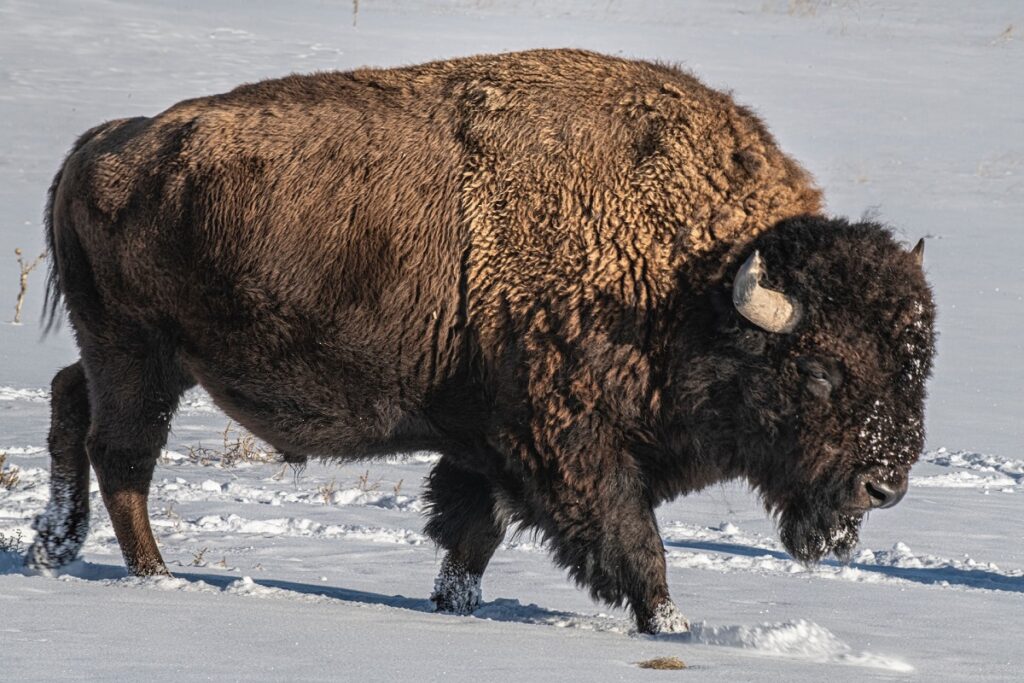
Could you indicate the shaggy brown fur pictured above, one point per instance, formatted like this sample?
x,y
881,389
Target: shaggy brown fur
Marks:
x,y
521,261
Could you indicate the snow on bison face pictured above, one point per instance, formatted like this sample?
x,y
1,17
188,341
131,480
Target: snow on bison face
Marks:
x,y
843,321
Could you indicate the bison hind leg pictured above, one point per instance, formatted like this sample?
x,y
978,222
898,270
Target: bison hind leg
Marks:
x,y
63,525
465,522
456,589
134,386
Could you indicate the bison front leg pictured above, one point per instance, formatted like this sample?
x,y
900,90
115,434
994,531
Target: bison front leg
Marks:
x,y
464,522
602,528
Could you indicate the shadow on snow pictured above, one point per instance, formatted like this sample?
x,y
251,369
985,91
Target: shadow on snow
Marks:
x,y
511,610
501,609
970,578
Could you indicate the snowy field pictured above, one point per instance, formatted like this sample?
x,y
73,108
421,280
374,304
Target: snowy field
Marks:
x,y
913,111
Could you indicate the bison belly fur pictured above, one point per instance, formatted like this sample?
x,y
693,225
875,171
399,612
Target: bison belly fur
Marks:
x,y
591,284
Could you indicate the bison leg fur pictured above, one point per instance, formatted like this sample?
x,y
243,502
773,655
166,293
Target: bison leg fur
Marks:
x,y
134,398
463,521
62,527
602,529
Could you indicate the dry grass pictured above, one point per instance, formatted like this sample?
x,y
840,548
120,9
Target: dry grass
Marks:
x,y
802,8
173,515
366,485
1006,36
8,473
327,491
237,446
11,543
26,268
297,469
663,663
197,558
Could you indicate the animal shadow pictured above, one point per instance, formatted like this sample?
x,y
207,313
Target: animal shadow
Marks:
x,y
500,609
970,578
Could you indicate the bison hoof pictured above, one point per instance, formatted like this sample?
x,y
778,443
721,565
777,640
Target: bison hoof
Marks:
x,y
667,619
456,590
56,543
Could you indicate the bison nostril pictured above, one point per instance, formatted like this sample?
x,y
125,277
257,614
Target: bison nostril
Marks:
x,y
881,495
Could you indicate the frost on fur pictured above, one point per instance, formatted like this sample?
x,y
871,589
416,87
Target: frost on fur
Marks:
x,y
668,619
456,590
60,531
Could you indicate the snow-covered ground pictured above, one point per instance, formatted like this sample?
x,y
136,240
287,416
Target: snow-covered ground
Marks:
x,y
913,110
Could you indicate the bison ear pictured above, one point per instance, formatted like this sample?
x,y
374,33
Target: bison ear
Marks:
x,y
918,253
722,309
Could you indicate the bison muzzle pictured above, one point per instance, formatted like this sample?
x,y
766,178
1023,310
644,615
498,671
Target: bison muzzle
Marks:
x,y
591,284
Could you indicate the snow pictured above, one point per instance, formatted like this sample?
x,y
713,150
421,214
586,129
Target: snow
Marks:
x,y
799,639
362,570
911,111
34,395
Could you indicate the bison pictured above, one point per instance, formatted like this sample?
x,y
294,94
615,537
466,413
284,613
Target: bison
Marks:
x,y
591,284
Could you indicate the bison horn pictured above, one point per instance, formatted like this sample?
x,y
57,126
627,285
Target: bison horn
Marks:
x,y
918,253
770,310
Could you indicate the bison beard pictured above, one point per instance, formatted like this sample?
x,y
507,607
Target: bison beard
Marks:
x,y
813,532
592,284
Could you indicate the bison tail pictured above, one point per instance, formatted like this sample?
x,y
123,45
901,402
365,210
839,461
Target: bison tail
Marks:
x,y
62,245
54,295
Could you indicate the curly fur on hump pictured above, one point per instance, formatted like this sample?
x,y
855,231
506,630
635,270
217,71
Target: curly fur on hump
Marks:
x,y
522,261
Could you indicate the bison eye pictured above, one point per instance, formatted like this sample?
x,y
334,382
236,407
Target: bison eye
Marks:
x,y
822,377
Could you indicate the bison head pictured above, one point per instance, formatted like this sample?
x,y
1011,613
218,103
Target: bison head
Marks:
x,y
833,326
